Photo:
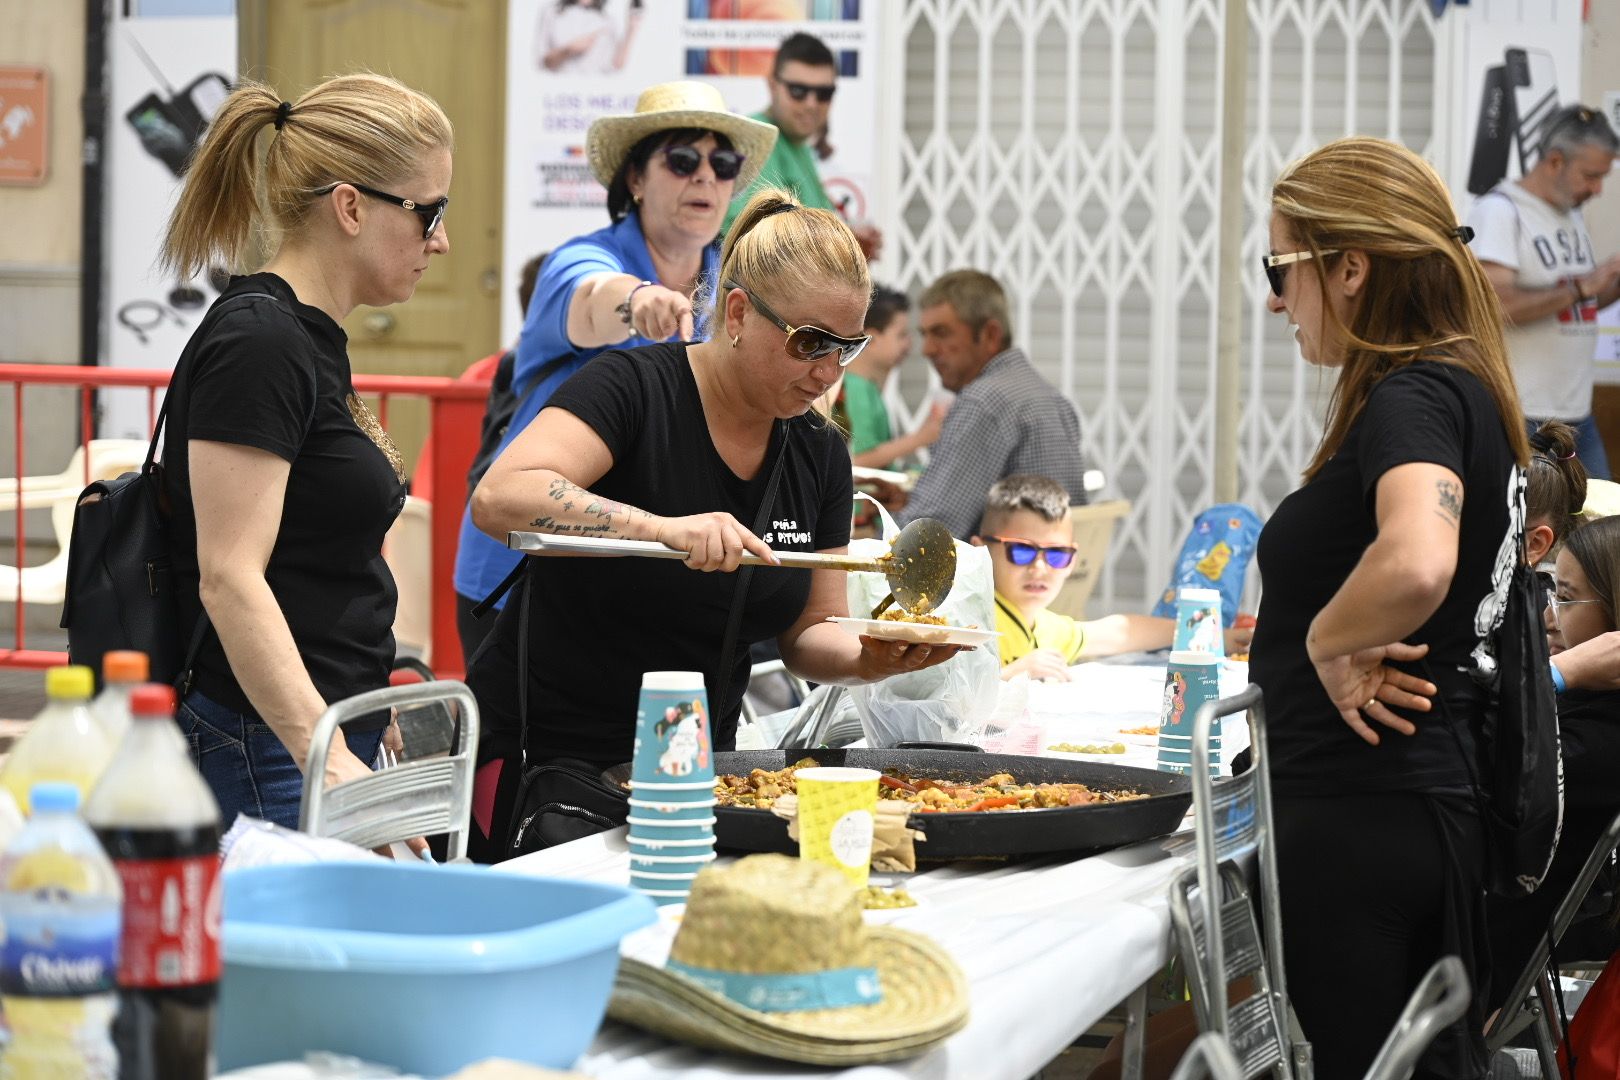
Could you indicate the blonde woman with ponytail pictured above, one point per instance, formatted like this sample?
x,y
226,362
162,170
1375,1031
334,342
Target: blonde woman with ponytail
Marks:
x,y
678,443
283,484
1377,573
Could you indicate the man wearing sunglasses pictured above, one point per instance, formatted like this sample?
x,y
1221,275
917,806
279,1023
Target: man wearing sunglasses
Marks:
x,y
1532,241
802,82
1006,418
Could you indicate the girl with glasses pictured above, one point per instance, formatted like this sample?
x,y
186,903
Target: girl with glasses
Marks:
x,y
712,448
670,170
282,482
1376,571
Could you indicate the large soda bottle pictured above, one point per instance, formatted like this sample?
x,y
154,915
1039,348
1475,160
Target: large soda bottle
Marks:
x,y
160,824
63,742
122,670
59,901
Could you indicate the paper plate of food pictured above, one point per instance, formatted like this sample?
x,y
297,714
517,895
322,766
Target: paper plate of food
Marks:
x,y
896,625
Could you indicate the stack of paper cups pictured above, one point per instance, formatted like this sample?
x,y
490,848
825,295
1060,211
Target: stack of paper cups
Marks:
x,y
1191,679
1198,622
671,786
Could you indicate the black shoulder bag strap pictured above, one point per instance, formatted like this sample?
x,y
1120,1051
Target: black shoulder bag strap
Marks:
x,y
728,644
200,632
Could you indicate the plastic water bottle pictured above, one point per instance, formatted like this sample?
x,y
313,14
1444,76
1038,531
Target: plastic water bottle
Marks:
x,y
63,742
59,899
122,670
157,819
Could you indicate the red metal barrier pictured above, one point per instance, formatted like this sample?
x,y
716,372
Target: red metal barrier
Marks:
x,y
455,408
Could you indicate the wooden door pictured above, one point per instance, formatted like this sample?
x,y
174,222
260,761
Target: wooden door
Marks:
x,y
453,50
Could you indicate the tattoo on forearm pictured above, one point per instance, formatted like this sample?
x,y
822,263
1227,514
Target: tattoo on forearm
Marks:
x,y
605,517
1450,494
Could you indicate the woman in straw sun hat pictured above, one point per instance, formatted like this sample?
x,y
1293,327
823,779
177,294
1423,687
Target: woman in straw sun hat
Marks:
x,y
712,448
773,957
670,169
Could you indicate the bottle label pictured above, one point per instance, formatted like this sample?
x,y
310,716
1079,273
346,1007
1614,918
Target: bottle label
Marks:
x,y
171,922
58,944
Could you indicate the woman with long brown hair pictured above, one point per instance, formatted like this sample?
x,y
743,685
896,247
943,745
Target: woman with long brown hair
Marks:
x,y
1376,572
283,484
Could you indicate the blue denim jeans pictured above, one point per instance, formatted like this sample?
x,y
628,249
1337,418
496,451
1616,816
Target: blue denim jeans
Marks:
x,y
246,765
1588,445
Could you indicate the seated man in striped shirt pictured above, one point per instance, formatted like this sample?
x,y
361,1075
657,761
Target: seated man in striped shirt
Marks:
x,y
1006,419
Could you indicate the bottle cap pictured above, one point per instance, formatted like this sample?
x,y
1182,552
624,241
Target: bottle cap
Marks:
x,y
125,666
679,681
69,681
152,699
1202,596
54,795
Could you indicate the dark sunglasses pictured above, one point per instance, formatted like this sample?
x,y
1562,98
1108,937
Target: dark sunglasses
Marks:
x,y
1276,267
1022,552
798,91
684,161
430,213
809,343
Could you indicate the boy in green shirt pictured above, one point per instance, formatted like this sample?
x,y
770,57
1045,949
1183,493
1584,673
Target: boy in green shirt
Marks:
x,y
871,440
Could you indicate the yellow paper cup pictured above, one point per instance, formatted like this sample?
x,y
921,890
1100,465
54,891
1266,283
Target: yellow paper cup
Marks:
x,y
837,808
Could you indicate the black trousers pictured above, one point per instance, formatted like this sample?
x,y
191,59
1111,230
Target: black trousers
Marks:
x,y
1376,888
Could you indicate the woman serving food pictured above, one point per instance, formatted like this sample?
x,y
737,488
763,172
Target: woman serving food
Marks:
x,y
685,444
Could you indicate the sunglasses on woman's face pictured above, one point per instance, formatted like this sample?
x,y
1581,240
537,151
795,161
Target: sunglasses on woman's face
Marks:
x,y
1022,552
809,343
1276,267
685,160
429,214
798,91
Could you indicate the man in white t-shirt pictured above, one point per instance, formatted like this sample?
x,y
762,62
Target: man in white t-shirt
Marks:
x,y
1532,240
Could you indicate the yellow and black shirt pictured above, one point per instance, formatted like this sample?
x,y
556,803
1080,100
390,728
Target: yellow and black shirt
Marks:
x,y
1048,630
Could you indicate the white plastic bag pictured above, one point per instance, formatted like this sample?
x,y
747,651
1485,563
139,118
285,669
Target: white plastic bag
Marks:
x,y
948,703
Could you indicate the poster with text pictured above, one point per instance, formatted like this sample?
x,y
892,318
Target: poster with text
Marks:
x,y
168,75
571,61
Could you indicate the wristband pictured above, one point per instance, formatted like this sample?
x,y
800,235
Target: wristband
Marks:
x,y
1559,683
624,308
1580,293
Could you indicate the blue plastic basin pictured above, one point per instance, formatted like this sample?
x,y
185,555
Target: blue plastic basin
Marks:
x,y
425,968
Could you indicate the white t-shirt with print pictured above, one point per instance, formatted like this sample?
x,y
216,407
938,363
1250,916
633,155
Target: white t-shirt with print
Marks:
x,y
1553,356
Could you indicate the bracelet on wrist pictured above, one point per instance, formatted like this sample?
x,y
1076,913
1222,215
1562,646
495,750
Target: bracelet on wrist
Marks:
x,y
623,309
1580,293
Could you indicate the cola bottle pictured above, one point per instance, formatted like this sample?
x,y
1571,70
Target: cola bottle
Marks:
x,y
159,823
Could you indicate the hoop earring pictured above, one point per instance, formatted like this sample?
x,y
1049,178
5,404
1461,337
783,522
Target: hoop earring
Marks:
x,y
735,339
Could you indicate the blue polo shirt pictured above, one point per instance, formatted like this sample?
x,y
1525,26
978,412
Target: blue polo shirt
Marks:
x,y
481,562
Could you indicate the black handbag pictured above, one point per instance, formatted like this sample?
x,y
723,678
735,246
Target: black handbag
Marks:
x,y
565,799
120,591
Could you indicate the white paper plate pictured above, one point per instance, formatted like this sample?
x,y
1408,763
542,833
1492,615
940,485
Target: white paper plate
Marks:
x,y
917,633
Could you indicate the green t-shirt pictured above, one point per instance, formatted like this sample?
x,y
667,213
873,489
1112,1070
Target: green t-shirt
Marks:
x,y
791,165
868,416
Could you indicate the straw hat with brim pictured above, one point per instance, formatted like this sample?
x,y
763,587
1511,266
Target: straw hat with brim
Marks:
x,y
774,958
672,105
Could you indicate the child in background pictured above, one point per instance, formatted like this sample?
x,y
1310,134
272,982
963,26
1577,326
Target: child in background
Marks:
x,y
865,416
1026,525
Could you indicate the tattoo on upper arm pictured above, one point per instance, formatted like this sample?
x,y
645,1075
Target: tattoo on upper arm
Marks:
x,y
1450,495
603,516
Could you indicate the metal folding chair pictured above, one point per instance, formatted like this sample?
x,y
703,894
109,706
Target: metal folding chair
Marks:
x,y
797,687
1531,1002
1440,999
414,798
1210,1056
1219,935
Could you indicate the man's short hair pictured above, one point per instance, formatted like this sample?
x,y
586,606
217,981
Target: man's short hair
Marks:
x,y
976,297
1575,126
886,304
1024,491
806,49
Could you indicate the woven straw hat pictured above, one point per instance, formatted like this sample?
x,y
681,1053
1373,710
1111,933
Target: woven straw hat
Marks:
x,y
769,919
672,105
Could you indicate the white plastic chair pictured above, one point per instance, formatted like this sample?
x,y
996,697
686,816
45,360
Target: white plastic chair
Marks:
x,y
1094,527
408,550
423,797
108,458
45,583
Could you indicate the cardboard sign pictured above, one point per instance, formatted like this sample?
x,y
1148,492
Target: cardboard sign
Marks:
x,y
24,119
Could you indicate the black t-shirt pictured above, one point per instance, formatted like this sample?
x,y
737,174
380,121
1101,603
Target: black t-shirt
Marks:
x,y
1428,411
1589,730
595,625
274,375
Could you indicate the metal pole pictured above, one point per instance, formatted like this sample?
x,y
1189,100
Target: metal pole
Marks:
x,y
94,111
1229,296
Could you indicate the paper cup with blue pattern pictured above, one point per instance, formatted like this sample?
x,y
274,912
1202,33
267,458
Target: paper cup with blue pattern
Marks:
x,y
772,957
1190,680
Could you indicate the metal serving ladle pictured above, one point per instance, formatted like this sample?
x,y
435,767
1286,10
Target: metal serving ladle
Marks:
x,y
920,565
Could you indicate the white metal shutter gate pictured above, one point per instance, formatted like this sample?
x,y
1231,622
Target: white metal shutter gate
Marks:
x,y
1071,148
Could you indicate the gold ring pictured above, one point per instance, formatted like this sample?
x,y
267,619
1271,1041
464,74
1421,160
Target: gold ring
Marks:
x,y
1370,703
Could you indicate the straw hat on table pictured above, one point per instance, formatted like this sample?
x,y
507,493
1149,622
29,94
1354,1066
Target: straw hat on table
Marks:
x,y
774,958
672,105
